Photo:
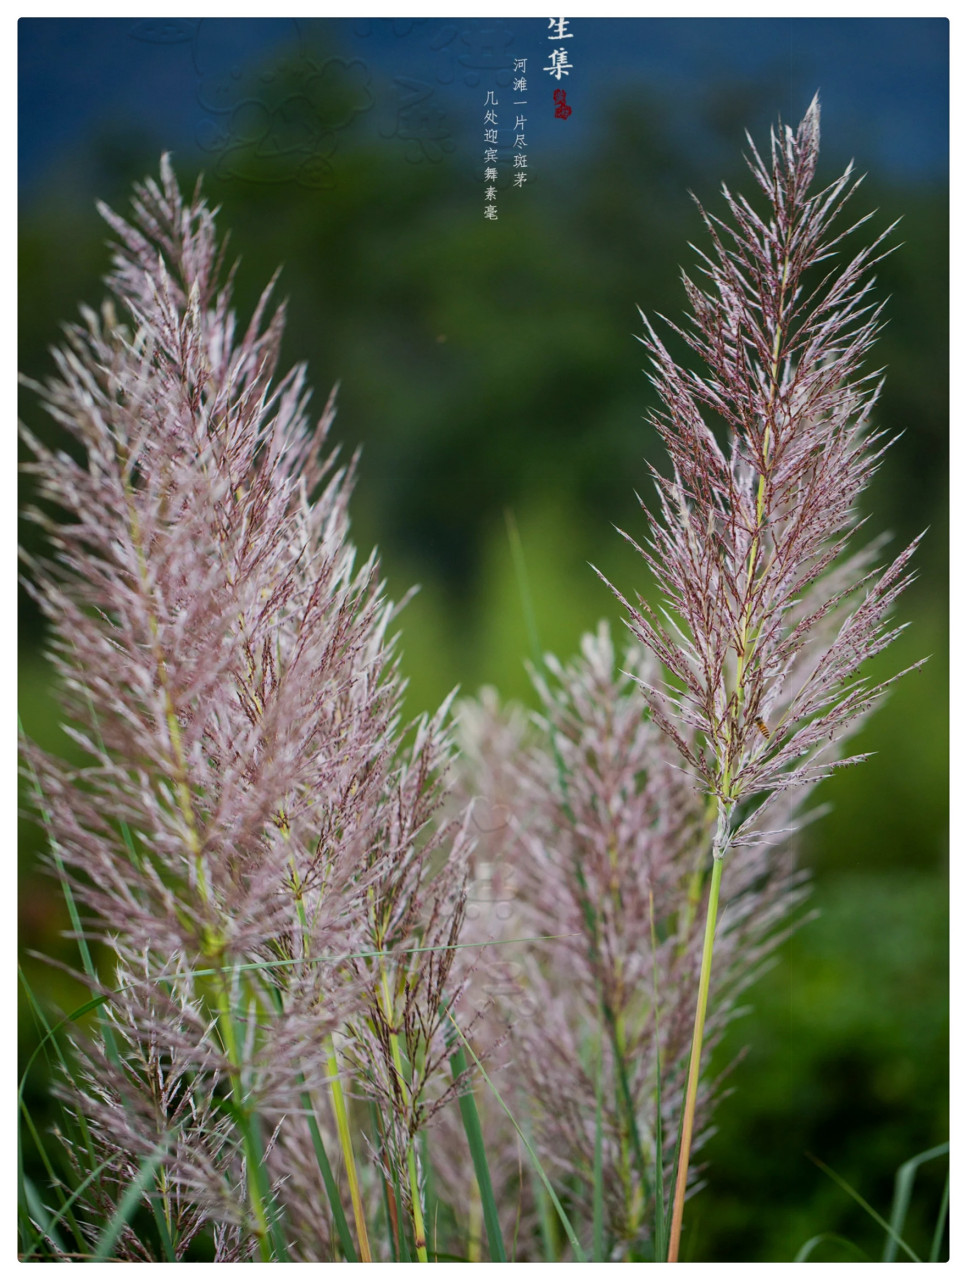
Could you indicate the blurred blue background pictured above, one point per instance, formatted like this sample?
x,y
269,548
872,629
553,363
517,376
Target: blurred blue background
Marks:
x,y
490,367
177,82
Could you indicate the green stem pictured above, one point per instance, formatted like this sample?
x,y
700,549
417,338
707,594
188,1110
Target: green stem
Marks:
x,y
474,1223
419,1228
697,876
339,1108
252,1155
742,652
694,1066
341,1114
745,646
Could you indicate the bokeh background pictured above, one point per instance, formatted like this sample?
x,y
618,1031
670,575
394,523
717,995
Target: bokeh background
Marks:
x,y
490,370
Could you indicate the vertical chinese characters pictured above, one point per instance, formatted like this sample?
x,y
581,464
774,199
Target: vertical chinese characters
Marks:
x,y
558,65
490,156
520,142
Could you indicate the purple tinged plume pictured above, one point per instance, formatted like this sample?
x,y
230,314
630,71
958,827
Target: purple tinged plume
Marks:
x,y
766,618
588,836
252,814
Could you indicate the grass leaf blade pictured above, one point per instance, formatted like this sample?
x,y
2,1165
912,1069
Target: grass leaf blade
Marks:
x,y
811,1244
478,1153
579,1253
841,1182
597,1248
903,1191
937,1242
129,1201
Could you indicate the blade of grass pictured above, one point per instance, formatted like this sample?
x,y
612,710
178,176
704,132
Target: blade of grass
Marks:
x,y
520,1206
41,1219
811,1244
129,1201
841,1182
341,1115
79,1012
538,1168
389,1207
44,1029
29,1238
322,1159
402,1071
661,1237
55,1182
77,1122
249,1144
937,1242
164,1235
233,1028
332,1191
597,1193
403,1243
399,1248
77,1126
903,1190
478,1154
72,911
257,966
77,928
343,1129
47,1032
75,1195
431,1200
523,584
545,1216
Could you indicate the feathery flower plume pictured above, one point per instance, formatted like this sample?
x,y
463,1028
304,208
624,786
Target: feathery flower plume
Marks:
x,y
767,618
252,818
587,835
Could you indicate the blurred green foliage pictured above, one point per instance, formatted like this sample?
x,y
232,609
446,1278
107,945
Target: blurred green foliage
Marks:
x,y
493,367
847,1062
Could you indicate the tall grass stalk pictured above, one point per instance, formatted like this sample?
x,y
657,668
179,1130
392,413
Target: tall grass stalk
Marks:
x,y
255,835
582,808
694,1064
766,616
